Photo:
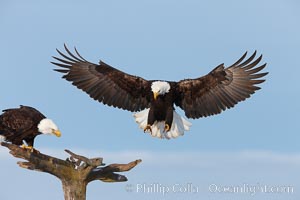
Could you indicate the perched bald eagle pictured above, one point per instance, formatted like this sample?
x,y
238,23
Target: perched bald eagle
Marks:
x,y
24,124
154,100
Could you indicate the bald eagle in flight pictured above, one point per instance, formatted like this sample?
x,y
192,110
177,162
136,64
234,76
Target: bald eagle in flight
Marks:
x,y
153,101
24,124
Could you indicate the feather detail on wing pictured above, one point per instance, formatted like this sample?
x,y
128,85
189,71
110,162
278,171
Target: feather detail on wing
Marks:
x,y
105,83
17,121
221,89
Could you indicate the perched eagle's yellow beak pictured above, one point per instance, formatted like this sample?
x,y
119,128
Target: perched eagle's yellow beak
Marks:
x,y
155,94
57,133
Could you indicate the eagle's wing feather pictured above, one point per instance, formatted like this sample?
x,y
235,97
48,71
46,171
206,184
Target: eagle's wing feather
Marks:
x,y
222,88
105,83
16,121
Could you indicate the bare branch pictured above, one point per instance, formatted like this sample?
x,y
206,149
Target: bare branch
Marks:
x,y
121,167
75,172
94,162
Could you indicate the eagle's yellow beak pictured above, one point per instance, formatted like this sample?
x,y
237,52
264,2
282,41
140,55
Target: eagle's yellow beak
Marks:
x,y
57,133
155,94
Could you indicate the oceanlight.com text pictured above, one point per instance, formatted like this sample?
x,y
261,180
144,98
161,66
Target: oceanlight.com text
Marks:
x,y
251,189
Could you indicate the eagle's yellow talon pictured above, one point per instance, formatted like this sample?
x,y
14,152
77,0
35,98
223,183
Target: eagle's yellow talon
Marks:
x,y
148,128
29,148
167,128
26,147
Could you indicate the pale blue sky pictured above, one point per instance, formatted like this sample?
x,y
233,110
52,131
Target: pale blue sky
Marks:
x,y
255,142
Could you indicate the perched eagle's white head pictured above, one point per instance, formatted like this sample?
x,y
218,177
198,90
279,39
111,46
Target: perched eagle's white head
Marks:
x,y
47,126
160,88
2,138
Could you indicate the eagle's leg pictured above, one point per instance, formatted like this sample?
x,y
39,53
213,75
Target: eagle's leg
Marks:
x,y
27,147
150,120
30,145
169,119
30,148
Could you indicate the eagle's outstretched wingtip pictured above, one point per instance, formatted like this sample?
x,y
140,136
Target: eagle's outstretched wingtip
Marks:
x,y
61,70
65,46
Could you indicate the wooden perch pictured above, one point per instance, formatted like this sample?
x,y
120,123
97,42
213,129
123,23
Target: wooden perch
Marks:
x,y
74,172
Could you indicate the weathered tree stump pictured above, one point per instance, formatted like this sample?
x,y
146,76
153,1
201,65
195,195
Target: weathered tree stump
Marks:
x,y
75,172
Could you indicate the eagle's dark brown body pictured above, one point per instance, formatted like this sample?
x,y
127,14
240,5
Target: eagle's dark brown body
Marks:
x,y
162,109
20,124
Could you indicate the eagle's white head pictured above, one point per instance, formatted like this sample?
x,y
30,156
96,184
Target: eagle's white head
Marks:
x,y
48,127
2,138
160,88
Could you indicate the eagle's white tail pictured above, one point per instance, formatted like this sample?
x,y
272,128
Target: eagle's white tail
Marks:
x,y
178,127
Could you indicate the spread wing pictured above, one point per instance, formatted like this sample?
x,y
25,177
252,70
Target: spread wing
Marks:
x,y
105,83
222,88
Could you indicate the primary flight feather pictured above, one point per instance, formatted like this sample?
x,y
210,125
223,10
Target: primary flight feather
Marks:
x,y
154,100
